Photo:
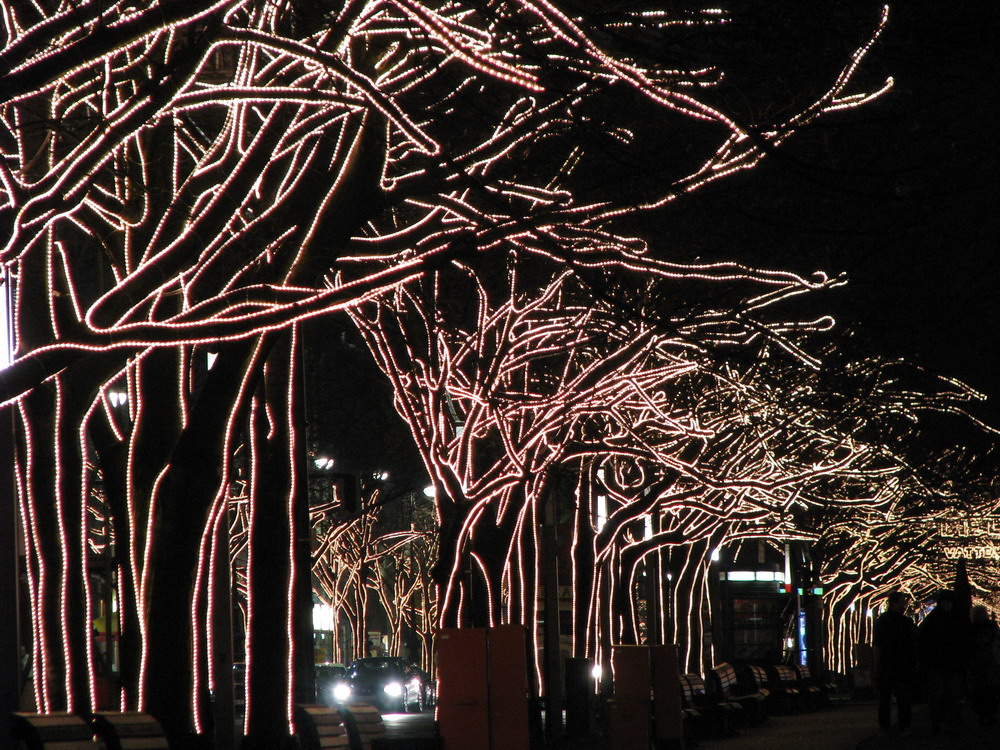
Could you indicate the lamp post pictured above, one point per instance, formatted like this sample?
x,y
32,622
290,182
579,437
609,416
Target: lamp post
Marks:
x,y
10,657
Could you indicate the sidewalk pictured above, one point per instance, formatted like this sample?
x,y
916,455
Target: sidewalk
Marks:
x,y
971,736
852,726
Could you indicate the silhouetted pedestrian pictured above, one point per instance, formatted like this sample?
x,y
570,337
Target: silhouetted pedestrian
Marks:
x,y
895,649
984,668
943,640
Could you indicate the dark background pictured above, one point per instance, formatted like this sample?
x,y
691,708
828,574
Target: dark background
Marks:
x,y
901,195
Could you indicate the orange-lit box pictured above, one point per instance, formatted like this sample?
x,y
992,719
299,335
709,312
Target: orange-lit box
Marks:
x,y
463,689
632,673
508,687
667,726
629,712
629,724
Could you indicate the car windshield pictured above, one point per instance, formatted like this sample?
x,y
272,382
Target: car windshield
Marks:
x,y
374,665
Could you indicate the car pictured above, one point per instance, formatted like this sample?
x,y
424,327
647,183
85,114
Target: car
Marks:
x,y
328,676
389,682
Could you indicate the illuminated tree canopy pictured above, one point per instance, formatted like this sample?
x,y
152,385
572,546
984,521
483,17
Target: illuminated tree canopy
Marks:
x,y
697,430
356,559
182,183
240,148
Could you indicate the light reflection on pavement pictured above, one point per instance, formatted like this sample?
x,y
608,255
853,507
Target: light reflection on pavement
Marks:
x,y
409,725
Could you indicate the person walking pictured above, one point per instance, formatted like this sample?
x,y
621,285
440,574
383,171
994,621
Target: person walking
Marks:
x,y
942,642
895,651
984,667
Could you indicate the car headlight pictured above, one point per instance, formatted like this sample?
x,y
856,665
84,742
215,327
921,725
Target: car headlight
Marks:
x,y
341,691
393,689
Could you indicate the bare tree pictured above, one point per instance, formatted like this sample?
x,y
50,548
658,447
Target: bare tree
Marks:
x,y
510,383
181,180
356,558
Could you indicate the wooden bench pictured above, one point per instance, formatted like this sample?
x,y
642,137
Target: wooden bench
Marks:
x,y
57,731
321,728
821,689
759,681
129,730
811,694
728,688
718,717
364,726
776,697
784,686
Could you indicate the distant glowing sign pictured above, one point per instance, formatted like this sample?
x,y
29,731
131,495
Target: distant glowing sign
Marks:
x,y
970,527
972,538
973,552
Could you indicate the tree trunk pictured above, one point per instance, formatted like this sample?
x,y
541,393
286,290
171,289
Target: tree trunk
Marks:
x,y
183,501
270,545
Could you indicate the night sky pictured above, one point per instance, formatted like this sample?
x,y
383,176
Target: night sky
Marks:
x,y
901,195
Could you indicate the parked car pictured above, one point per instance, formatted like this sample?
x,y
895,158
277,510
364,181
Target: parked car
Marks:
x,y
386,681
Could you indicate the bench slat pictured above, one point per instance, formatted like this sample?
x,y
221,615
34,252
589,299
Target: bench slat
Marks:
x,y
322,728
331,731
366,722
334,742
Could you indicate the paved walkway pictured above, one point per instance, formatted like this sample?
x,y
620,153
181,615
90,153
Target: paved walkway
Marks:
x,y
845,725
852,726
971,736
839,727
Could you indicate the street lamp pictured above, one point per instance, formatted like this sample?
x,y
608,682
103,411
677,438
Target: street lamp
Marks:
x,y
6,340
10,667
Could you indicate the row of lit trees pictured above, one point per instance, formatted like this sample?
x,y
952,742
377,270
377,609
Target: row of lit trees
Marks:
x,y
180,183
360,556
866,555
526,397
680,433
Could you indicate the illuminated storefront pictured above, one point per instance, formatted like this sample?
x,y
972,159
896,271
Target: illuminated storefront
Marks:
x,y
770,609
